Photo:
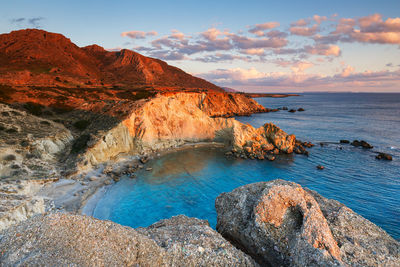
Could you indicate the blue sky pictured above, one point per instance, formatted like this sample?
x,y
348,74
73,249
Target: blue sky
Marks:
x,y
218,40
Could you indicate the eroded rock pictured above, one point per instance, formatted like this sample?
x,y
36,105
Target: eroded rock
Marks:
x,y
280,223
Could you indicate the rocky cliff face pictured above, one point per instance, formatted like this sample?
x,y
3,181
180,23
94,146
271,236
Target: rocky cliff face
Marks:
x,y
281,224
171,120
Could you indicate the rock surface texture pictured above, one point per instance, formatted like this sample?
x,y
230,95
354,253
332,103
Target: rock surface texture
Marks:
x,y
279,223
74,240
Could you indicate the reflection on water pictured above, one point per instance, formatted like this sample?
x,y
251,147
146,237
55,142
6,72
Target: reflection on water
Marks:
x,y
174,164
187,182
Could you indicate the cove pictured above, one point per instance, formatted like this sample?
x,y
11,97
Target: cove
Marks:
x,y
188,181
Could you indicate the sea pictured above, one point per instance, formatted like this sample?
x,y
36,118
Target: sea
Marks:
x,y
188,182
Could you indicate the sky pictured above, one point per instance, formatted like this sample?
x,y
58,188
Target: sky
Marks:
x,y
255,46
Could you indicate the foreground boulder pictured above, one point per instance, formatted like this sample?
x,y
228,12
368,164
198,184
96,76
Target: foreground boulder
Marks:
x,y
74,240
192,242
280,223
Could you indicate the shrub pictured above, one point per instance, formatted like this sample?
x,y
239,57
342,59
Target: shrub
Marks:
x,y
10,157
80,143
81,124
34,108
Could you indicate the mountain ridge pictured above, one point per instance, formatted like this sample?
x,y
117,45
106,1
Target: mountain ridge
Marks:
x,y
39,58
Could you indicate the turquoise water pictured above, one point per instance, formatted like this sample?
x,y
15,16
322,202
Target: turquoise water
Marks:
x,y
187,182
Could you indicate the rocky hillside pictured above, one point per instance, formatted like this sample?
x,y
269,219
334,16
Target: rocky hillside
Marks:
x,y
39,58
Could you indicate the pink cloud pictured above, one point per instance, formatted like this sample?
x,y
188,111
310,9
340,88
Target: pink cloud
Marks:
x,y
346,80
138,34
323,50
254,51
259,29
368,29
319,19
304,31
301,22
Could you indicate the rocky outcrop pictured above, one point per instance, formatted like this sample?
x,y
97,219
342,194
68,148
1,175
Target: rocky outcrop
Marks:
x,y
171,120
30,146
18,202
227,105
74,240
280,223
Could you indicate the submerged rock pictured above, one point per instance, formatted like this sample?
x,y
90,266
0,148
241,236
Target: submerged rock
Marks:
x,y
74,240
320,167
355,143
384,156
361,143
280,223
366,145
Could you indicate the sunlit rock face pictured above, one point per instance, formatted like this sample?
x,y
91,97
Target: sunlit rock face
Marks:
x,y
171,120
279,223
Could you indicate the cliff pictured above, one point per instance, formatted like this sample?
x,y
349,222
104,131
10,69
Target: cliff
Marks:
x,y
171,120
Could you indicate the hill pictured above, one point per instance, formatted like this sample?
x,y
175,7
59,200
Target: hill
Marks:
x,y
35,57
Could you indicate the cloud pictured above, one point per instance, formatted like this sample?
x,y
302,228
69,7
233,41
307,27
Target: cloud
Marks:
x,y
297,66
138,34
29,22
368,29
222,57
263,41
347,71
215,40
167,55
244,42
259,29
319,19
304,31
301,23
323,50
347,79
254,51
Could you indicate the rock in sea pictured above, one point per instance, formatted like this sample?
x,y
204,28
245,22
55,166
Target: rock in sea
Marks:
x,y
384,156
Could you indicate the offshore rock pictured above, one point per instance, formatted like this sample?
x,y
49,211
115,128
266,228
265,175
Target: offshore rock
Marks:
x,y
384,156
74,240
280,223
